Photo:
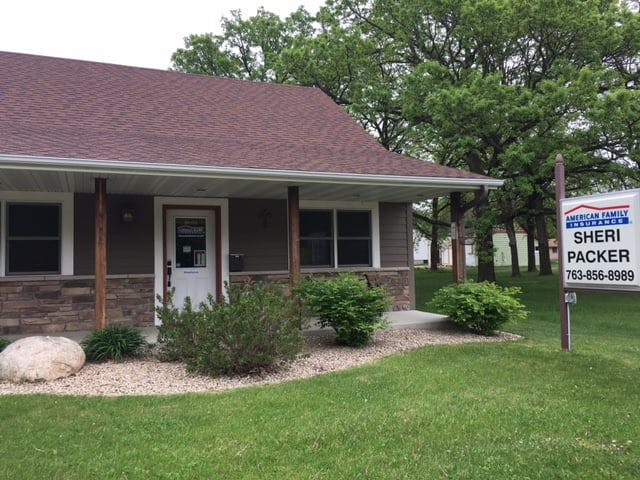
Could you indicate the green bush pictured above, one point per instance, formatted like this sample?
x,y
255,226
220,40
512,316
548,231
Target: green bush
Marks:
x,y
258,327
348,305
178,333
3,343
114,342
481,307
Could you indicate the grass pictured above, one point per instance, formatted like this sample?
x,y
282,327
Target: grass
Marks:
x,y
520,410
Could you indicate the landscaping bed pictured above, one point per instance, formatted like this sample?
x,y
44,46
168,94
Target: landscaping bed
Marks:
x,y
148,376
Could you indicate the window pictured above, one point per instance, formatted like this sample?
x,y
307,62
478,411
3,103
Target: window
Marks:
x,y
316,238
354,238
323,233
33,238
191,243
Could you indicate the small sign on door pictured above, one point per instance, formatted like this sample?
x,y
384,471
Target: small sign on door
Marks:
x,y
199,258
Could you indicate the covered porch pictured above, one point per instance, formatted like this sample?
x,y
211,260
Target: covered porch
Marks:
x,y
127,232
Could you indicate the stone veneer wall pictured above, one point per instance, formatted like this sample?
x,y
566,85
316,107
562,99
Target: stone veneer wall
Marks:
x,y
395,280
43,305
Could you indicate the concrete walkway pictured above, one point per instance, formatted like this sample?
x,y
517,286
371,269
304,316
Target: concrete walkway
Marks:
x,y
408,319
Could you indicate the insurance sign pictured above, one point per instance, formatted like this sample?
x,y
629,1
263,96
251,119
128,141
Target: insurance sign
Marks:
x,y
601,241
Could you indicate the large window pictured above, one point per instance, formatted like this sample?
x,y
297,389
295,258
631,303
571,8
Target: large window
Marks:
x,y
316,238
354,238
331,238
33,238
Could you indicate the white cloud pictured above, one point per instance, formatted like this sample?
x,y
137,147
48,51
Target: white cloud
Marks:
x,y
135,32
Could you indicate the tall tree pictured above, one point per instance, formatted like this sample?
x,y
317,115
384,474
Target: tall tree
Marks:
x,y
498,87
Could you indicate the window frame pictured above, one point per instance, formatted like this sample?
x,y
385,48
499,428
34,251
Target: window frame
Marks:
x,y
335,206
66,232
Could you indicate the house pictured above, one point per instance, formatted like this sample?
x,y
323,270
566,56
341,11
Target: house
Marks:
x,y
422,251
118,183
501,253
553,249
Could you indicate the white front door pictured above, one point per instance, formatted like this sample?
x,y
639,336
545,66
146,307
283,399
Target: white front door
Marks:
x,y
190,254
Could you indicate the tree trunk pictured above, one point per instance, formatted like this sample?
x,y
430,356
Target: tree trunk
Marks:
x,y
434,250
531,245
486,268
543,243
513,247
484,240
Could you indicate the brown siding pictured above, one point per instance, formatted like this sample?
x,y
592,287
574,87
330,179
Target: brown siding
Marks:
x,y
258,230
129,245
393,235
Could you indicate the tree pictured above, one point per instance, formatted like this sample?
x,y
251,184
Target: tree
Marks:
x,y
509,84
428,221
247,49
498,87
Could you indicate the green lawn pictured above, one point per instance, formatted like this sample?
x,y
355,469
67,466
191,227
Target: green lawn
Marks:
x,y
487,411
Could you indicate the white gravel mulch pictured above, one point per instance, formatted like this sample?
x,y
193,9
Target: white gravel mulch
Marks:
x,y
150,377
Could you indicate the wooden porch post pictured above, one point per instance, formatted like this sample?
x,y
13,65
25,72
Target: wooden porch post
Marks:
x,y
293,203
457,238
100,221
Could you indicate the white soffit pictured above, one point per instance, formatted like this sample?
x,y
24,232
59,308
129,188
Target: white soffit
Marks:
x,y
63,175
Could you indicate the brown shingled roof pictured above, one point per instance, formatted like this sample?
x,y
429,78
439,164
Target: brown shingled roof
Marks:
x,y
51,107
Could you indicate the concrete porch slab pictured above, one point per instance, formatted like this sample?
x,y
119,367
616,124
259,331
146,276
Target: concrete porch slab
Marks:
x,y
408,319
415,319
149,333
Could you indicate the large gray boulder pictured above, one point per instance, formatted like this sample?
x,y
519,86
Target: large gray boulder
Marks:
x,y
34,359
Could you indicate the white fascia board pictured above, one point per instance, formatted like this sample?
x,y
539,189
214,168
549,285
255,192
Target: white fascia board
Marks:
x,y
103,167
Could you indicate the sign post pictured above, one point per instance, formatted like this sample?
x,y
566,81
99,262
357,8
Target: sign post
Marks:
x,y
565,326
598,245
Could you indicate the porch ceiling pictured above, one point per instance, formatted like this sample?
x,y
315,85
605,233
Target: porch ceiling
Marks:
x,y
228,185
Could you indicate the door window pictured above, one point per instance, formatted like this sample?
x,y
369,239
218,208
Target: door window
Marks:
x,y
191,241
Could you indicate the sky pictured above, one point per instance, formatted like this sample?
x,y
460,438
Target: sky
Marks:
x,y
142,33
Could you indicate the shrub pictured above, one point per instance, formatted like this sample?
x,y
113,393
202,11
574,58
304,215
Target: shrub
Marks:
x,y
258,327
178,333
114,342
481,307
4,343
348,305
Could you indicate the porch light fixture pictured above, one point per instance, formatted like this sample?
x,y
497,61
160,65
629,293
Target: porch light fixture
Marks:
x,y
128,215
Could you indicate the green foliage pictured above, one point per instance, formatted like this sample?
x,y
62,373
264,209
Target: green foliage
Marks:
x,y
177,335
348,305
481,307
258,327
498,87
114,342
4,343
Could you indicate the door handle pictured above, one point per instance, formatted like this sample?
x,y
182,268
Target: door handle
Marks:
x,y
168,273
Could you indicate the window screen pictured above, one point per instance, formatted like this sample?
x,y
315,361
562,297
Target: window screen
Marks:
x,y
33,238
